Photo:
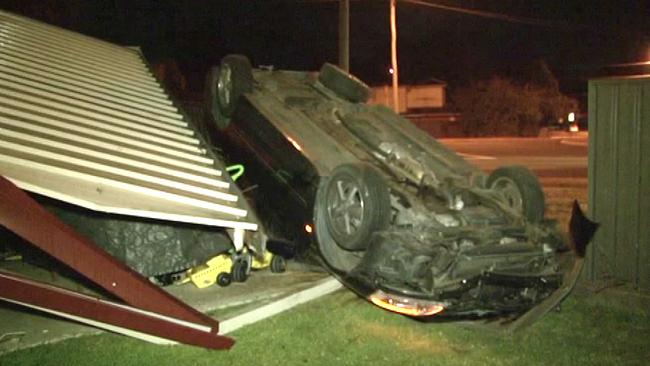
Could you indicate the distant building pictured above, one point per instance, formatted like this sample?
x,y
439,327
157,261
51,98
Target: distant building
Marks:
x,y
412,98
424,105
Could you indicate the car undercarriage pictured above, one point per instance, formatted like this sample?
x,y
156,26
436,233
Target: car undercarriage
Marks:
x,y
399,218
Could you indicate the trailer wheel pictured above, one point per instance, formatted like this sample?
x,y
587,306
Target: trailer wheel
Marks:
x,y
351,204
278,264
520,190
224,279
344,84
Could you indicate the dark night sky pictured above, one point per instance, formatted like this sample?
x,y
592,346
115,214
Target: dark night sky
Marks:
x,y
303,34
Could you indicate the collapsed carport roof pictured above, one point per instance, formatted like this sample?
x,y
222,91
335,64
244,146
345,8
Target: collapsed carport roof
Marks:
x,y
85,121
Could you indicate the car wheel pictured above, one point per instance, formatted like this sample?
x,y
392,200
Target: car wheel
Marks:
x,y
344,84
520,190
278,264
214,110
224,279
350,205
235,78
240,270
226,84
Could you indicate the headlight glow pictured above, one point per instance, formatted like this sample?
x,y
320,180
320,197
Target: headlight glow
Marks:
x,y
405,305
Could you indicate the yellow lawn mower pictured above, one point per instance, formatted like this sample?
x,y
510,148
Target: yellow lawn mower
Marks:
x,y
228,267
225,268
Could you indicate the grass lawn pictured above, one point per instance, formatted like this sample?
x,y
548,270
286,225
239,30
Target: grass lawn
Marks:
x,y
341,329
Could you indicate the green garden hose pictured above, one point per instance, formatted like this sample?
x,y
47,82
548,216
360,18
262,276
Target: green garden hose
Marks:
x,y
238,171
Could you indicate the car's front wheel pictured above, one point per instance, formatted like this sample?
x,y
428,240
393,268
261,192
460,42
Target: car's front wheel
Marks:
x,y
351,204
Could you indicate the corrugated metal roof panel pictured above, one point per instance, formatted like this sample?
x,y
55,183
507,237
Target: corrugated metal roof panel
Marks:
x,y
85,121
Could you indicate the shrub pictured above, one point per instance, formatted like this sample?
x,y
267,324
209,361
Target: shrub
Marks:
x,y
502,107
499,107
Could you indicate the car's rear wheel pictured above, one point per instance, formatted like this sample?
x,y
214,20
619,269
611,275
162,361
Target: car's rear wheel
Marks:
x,y
351,204
344,84
520,190
214,112
226,84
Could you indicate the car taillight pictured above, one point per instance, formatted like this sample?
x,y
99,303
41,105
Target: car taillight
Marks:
x,y
405,305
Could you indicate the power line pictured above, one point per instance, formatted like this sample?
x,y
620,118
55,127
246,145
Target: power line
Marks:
x,y
479,13
491,15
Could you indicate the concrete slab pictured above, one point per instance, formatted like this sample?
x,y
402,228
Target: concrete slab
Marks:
x,y
24,328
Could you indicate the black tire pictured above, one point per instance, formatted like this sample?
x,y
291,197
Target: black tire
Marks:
x,y
224,279
240,270
344,84
278,264
226,84
357,204
335,257
521,191
214,112
164,280
235,78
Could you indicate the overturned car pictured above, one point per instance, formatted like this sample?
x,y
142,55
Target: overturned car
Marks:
x,y
399,218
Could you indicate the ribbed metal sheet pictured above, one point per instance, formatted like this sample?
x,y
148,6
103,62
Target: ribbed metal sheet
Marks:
x,y
85,121
619,179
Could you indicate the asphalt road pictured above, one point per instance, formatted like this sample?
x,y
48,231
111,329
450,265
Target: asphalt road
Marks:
x,y
547,157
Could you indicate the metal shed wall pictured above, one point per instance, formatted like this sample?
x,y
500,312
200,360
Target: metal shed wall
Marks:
x,y
619,179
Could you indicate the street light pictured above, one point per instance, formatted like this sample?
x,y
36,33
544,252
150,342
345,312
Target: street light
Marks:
x,y
393,52
344,35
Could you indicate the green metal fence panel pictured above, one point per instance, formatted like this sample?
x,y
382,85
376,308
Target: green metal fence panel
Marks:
x,y
619,179
600,177
643,261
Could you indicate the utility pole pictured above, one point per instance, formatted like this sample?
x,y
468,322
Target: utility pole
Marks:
x,y
344,35
393,51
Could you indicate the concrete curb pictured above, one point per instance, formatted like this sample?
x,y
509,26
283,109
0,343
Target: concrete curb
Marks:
x,y
323,288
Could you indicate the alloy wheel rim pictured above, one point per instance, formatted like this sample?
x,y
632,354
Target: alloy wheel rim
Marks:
x,y
345,206
224,85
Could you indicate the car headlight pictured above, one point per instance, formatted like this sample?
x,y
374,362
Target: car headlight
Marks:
x,y
406,305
